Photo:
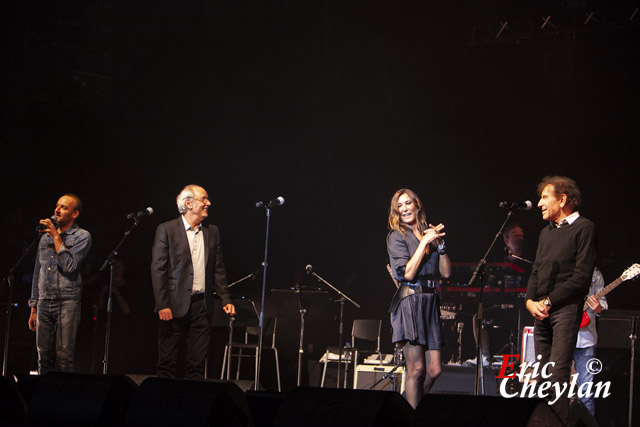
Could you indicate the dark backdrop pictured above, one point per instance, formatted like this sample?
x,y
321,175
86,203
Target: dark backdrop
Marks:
x,y
333,105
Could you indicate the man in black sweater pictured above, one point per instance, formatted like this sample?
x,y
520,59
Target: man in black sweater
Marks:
x,y
559,282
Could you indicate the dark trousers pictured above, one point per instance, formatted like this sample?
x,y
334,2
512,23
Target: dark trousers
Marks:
x,y
192,328
555,340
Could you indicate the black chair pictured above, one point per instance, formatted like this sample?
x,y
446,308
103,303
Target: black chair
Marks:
x,y
366,330
250,342
362,330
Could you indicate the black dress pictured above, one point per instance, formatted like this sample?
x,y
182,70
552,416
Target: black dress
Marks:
x,y
417,317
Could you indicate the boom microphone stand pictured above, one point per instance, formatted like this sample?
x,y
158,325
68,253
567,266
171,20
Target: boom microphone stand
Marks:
x,y
479,271
248,276
109,262
391,376
8,279
342,299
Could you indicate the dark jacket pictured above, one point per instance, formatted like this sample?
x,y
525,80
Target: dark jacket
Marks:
x,y
172,269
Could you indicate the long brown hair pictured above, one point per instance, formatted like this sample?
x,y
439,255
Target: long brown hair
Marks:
x,y
394,213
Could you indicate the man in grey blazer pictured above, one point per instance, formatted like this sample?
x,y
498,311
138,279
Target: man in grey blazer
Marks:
x,y
186,269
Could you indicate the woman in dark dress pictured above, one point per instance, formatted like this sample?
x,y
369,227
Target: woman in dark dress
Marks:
x,y
418,259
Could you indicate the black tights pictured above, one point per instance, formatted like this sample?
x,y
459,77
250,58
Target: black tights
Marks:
x,y
423,367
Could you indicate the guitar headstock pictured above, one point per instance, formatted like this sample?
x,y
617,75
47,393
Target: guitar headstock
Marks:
x,y
631,272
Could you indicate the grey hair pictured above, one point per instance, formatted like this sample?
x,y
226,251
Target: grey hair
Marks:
x,y
186,193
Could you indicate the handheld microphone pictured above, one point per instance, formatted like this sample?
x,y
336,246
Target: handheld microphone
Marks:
x,y
140,214
309,269
526,205
278,201
53,219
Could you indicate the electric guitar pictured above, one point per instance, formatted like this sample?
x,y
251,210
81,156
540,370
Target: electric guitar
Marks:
x,y
628,274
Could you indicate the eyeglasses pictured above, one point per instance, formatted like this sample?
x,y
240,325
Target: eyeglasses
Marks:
x,y
202,199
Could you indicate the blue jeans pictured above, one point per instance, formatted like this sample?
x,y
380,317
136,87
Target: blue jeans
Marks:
x,y
56,331
580,357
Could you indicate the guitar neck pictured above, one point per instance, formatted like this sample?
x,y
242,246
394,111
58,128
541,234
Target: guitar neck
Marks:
x,y
611,286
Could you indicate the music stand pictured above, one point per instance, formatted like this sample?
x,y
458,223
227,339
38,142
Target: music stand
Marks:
x,y
246,315
298,303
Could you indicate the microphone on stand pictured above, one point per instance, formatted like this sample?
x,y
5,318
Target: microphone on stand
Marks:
x,y
526,205
140,214
278,201
520,258
253,275
309,269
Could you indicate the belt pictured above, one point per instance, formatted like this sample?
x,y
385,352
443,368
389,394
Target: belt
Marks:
x,y
406,289
421,289
197,297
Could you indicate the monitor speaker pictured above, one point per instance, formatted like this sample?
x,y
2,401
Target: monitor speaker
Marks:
x,y
169,402
312,407
70,399
483,411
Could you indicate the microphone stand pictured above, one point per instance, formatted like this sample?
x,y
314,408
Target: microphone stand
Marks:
x,y
480,271
109,262
342,299
391,375
256,380
248,276
8,279
303,314
519,327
